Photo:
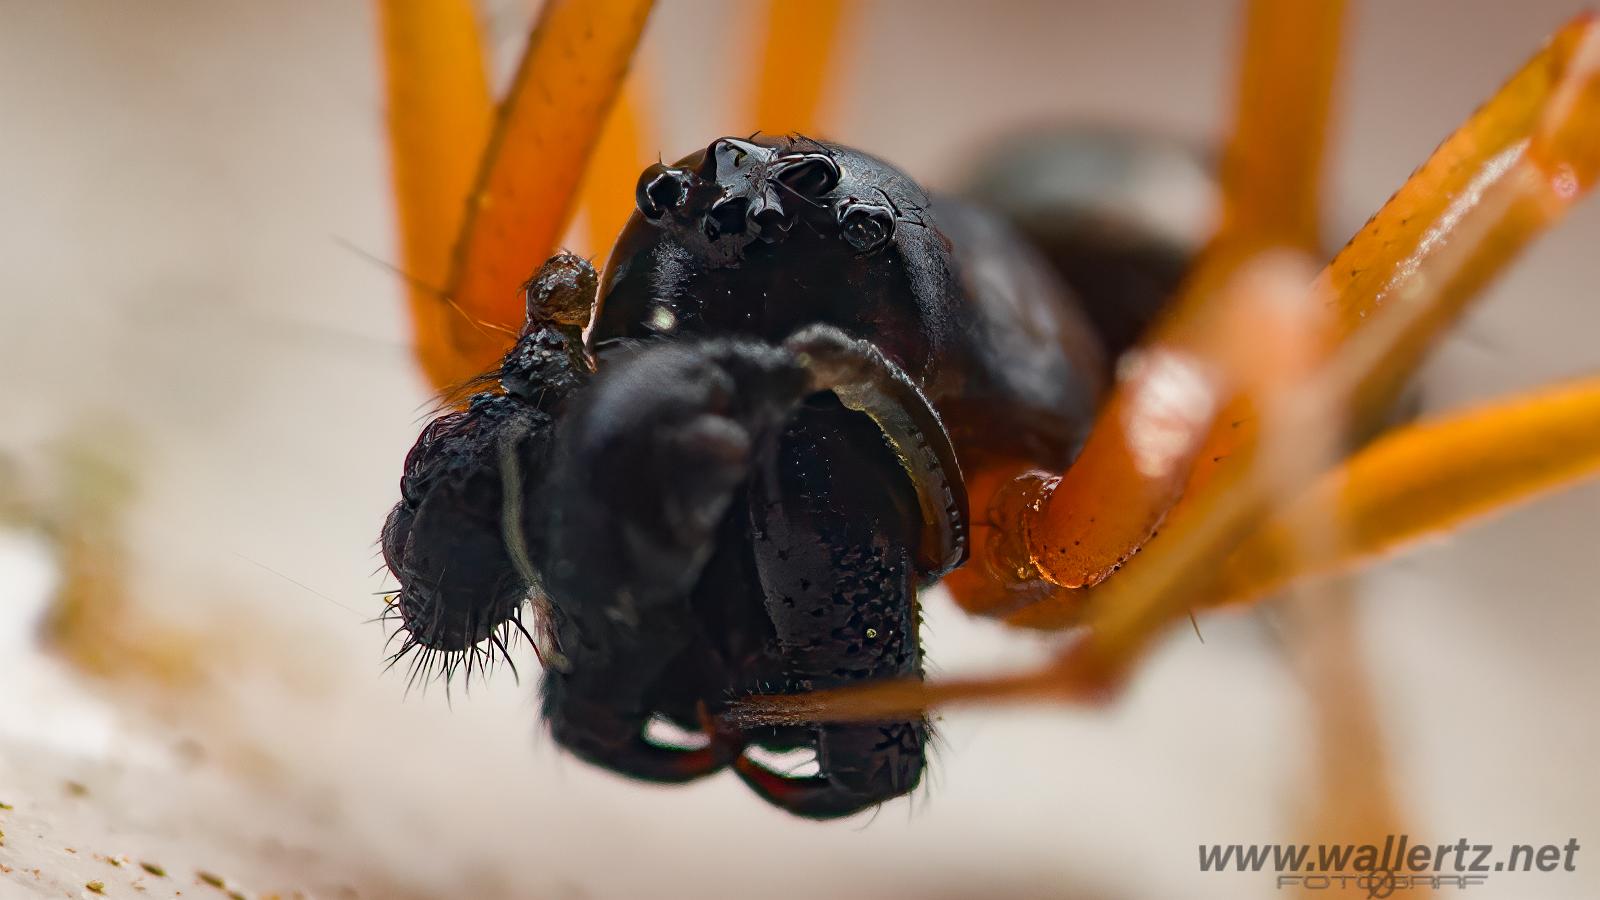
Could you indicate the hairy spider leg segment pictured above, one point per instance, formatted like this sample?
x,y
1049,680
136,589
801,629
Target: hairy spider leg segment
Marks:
x,y
462,539
1088,523
439,113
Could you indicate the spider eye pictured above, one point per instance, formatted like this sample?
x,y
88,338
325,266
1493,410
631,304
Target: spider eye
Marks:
x,y
807,174
866,226
771,220
726,217
722,157
660,188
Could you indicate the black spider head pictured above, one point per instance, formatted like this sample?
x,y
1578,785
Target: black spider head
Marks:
x,y
769,234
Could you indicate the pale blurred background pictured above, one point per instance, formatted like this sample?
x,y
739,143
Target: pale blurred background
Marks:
x,y
187,190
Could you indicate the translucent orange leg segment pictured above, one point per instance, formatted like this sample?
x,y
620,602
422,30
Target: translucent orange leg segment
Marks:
x,y
439,114
1350,763
1516,186
527,184
1535,141
1512,193
1492,204
1420,480
798,52
1272,166
1083,527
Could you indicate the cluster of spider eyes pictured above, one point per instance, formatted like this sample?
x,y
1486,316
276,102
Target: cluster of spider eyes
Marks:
x,y
776,191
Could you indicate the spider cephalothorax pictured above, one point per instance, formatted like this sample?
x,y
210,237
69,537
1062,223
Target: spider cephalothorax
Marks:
x,y
746,490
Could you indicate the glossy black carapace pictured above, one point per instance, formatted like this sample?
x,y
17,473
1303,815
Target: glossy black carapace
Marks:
x,y
738,480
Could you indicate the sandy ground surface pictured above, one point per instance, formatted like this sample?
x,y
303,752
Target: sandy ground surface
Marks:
x,y
180,186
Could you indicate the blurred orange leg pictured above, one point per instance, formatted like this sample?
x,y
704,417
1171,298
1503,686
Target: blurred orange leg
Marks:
x,y
1145,441
1433,251
439,116
527,184
1498,196
1272,165
608,185
798,54
1541,129
1422,480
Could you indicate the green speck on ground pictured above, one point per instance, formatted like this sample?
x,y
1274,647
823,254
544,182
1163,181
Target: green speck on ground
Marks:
x,y
99,887
153,869
212,879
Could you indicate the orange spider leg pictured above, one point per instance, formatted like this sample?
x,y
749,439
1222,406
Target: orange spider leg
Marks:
x,y
527,183
1519,168
1272,165
1507,175
439,113
1421,480
1535,129
1085,525
619,157
798,52
1525,148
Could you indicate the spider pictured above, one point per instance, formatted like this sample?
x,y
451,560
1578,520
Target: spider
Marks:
x,y
801,389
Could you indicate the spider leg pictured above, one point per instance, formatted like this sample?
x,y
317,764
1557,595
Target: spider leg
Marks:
x,y
1503,178
1108,503
1506,176
1272,163
525,183
1500,180
439,114
626,146
1424,480
799,50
